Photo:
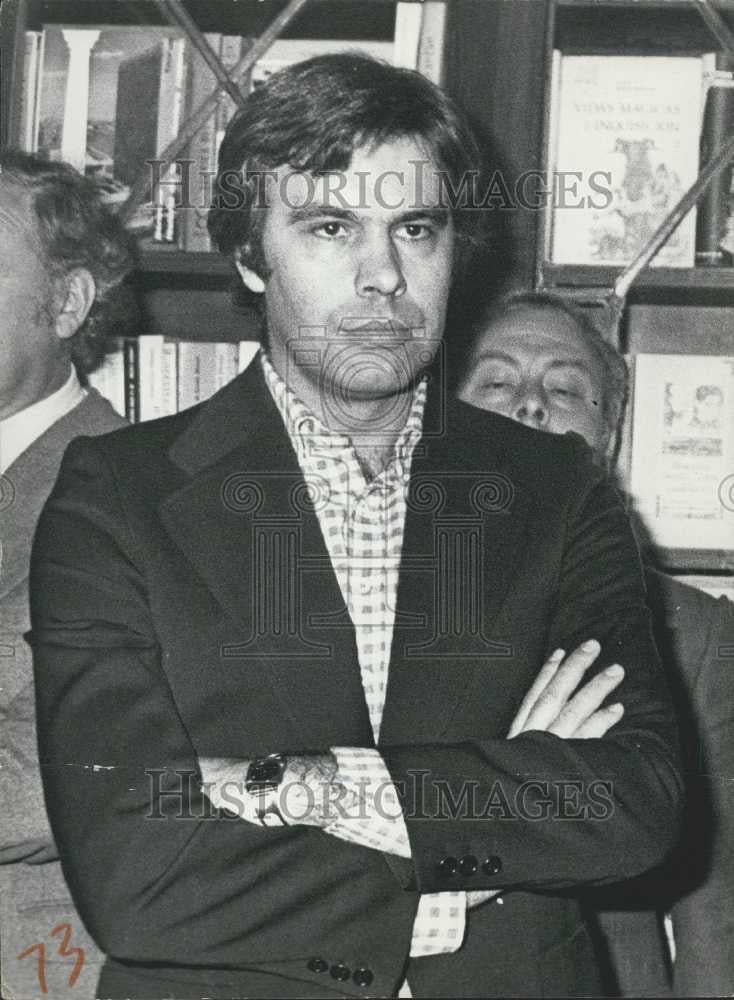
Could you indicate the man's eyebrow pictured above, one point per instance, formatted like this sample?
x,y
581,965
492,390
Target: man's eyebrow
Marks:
x,y
490,355
304,213
572,363
437,215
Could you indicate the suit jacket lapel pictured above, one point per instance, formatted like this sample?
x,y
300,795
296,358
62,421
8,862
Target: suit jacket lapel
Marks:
x,y
245,523
464,532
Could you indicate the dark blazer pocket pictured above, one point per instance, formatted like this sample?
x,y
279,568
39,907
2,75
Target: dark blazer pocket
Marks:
x,y
570,969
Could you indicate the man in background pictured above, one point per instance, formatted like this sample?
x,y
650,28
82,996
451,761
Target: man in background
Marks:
x,y
62,258
541,361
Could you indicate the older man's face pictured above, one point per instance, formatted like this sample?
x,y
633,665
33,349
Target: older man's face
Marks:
x,y
534,366
29,347
359,274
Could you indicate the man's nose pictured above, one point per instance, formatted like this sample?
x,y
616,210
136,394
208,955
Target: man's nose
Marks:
x,y
380,271
531,406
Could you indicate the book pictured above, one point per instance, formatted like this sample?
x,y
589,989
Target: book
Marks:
x,y
131,356
202,151
712,210
408,25
149,111
247,351
683,449
197,372
432,40
32,53
625,131
714,585
109,378
113,47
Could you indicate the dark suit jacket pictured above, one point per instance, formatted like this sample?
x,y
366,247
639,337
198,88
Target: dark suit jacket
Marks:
x,y
695,636
185,606
33,895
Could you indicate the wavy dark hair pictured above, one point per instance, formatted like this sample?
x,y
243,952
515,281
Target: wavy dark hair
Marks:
x,y
311,116
77,230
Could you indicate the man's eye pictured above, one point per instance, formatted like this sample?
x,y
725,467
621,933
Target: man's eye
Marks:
x,y
329,230
565,393
497,384
415,230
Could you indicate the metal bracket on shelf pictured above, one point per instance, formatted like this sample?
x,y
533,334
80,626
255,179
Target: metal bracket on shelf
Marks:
x,y
200,115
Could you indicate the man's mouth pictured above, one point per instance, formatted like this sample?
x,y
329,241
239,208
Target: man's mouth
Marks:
x,y
374,325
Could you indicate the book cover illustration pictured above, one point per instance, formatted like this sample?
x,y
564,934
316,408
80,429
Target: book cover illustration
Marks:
x,y
627,147
122,115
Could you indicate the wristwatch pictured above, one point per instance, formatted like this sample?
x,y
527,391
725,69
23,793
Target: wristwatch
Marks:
x,y
262,782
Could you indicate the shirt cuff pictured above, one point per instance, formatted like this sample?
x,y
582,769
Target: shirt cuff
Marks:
x,y
369,813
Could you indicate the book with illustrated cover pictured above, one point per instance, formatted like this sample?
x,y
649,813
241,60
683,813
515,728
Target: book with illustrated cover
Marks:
x,y
624,147
683,449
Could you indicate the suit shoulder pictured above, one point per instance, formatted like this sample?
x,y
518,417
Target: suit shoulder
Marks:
x,y
536,457
147,442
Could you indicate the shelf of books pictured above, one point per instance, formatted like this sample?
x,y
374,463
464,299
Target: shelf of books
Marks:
x,y
626,135
109,96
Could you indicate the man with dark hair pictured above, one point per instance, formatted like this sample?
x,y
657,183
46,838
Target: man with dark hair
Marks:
x,y
62,257
541,361
299,628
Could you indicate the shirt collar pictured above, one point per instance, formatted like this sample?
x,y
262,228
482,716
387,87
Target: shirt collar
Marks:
x,y
19,431
305,428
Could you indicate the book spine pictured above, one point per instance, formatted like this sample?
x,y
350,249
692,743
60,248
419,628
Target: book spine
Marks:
x,y
712,214
247,349
196,372
202,152
225,364
150,376
408,21
432,40
169,378
30,86
132,379
170,114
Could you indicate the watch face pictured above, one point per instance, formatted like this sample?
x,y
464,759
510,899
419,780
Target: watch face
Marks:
x,y
265,771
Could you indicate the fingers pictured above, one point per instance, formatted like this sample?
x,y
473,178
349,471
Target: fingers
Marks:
x,y
546,673
586,702
567,677
599,724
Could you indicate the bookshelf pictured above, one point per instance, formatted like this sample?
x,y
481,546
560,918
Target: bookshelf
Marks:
x,y
498,56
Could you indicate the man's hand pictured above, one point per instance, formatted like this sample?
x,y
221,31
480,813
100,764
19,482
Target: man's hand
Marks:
x,y
550,707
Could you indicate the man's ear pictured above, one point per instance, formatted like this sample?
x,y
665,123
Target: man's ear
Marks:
x,y
76,292
250,278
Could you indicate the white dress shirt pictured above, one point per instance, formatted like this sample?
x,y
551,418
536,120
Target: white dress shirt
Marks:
x,y
24,427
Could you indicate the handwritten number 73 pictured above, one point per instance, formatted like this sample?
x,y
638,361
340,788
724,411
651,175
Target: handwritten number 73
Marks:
x,y
62,949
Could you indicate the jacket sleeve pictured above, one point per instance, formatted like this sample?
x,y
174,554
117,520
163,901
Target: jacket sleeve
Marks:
x,y
156,873
550,813
702,918
26,832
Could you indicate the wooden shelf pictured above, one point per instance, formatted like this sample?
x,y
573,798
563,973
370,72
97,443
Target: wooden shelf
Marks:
x,y
625,25
205,265
672,283
319,19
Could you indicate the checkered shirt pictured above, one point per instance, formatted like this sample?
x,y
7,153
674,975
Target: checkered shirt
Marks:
x,y
362,524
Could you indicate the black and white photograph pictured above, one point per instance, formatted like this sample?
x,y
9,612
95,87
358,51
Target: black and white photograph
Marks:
x,y
366,499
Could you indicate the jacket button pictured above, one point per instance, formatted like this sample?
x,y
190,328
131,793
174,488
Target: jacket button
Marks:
x,y
317,965
468,864
493,865
362,976
341,972
447,867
